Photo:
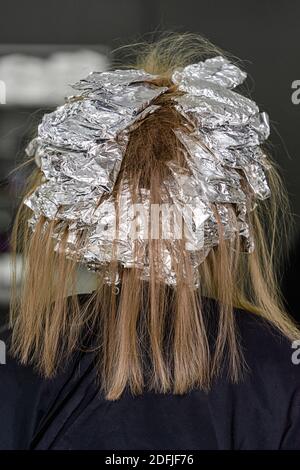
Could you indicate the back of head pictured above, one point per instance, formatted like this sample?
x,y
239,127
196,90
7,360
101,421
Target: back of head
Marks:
x,y
155,177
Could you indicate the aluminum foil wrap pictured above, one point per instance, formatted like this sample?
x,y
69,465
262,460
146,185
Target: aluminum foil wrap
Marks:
x,y
80,147
226,160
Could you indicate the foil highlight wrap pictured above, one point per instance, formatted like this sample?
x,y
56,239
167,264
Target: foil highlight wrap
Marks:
x,y
80,148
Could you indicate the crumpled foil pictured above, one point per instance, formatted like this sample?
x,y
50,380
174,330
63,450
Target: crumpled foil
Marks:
x,y
80,147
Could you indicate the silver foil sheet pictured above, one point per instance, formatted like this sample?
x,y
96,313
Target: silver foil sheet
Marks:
x,y
81,145
217,71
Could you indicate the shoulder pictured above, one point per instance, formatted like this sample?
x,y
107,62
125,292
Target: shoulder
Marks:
x,y
19,390
261,410
265,347
11,371
261,342
270,393
26,397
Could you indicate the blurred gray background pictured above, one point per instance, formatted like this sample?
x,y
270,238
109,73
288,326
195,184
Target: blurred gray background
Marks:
x,y
44,45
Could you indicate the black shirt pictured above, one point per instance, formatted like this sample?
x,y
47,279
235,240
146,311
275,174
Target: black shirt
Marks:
x,y
68,412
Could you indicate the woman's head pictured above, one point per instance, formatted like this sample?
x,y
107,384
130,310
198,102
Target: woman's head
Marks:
x,y
161,165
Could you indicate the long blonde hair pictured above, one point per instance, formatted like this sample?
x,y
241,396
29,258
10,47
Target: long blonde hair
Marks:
x,y
167,324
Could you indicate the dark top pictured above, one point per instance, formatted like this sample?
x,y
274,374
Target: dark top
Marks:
x,y
68,412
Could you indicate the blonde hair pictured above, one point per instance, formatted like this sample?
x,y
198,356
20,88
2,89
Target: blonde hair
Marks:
x,y
167,325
